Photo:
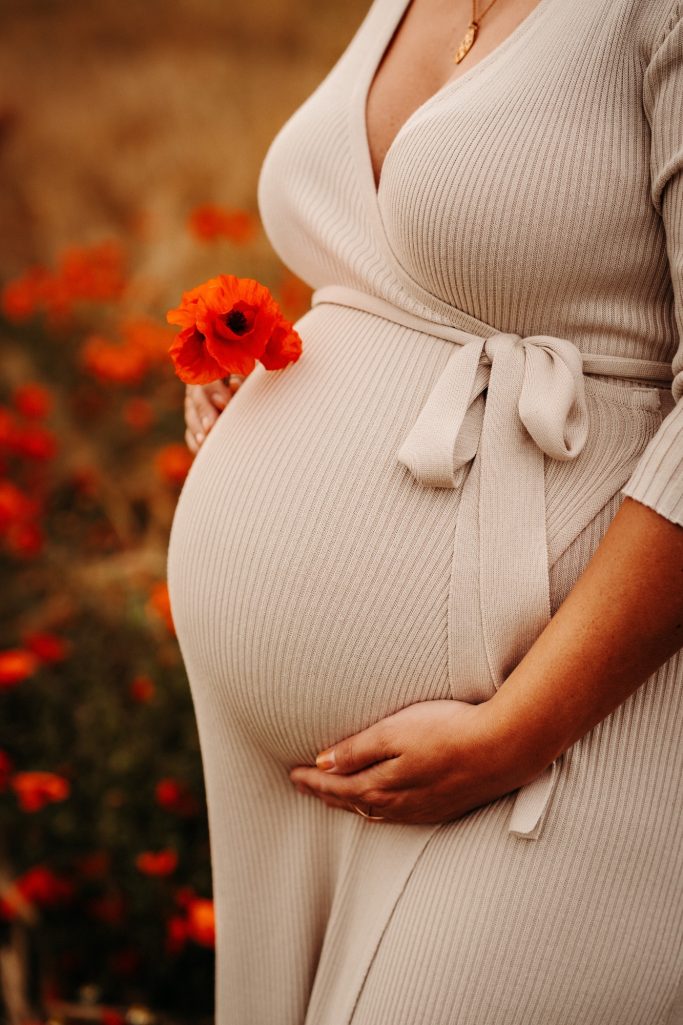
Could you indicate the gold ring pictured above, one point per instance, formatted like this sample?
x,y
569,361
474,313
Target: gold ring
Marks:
x,y
366,814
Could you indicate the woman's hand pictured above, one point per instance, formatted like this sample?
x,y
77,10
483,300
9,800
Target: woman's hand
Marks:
x,y
431,762
203,403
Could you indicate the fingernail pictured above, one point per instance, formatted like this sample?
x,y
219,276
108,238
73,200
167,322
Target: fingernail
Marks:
x,y
218,400
206,423
199,436
326,759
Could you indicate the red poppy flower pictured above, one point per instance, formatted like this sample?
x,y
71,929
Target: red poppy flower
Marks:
x,y
201,922
284,346
159,604
157,863
48,647
110,1016
237,318
141,688
32,400
6,768
176,934
226,325
113,363
34,442
36,789
16,664
209,222
138,413
42,886
15,505
172,462
24,539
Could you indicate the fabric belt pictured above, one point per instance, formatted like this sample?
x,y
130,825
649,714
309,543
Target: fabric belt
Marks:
x,y
535,405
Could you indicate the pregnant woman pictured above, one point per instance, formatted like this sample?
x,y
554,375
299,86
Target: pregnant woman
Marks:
x,y
428,580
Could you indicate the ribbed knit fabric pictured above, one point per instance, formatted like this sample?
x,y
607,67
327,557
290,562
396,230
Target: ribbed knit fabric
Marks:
x,y
327,567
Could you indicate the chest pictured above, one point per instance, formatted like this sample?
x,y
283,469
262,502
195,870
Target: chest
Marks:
x,y
419,60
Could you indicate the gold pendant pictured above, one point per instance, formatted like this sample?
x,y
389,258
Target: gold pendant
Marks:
x,y
466,44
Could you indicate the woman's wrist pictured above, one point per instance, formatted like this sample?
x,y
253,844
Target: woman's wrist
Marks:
x,y
519,747
618,624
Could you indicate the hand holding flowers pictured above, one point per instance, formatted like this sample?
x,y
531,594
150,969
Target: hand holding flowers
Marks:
x,y
226,324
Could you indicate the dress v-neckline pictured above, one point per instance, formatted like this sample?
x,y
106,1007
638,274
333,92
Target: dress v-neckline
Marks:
x,y
370,194
367,78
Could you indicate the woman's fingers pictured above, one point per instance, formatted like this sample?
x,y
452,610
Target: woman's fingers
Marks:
x,y
357,752
200,410
219,393
206,412
203,405
191,442
372,786
233,381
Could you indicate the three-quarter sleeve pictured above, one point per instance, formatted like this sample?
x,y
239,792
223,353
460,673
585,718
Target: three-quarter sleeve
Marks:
x,y
657,480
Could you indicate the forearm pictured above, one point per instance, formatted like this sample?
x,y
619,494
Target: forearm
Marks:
x,y
621,621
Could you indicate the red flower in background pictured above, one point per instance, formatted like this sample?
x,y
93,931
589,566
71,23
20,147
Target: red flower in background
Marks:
x,y
283,347
175,797
95,273
24,297
8,426
113,362
184,896
34,442
157,863
141,688
148,336
110,1016
201,922
32,400
16,664
173,462
36,789
15,505
159,604
226,325
6,769
168,792
47,647
138,413
21,534
25,539
209,222
43,887
176,934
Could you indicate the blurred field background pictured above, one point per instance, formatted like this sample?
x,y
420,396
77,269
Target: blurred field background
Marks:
x,y
131,136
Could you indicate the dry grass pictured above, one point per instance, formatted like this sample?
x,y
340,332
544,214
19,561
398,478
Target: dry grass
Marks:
x,y
118,117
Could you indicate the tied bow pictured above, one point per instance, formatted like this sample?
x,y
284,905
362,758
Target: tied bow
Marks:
x,y
499,599
541,375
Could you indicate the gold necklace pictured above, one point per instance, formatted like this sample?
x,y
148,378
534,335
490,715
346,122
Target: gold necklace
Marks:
x,y
471,34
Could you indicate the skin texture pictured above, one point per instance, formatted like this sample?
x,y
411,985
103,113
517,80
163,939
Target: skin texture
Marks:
x,y
419,60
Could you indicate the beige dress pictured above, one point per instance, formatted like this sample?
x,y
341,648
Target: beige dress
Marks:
x,y
493,358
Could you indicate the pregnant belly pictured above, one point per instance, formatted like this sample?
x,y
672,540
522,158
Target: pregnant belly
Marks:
x,y
308,572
